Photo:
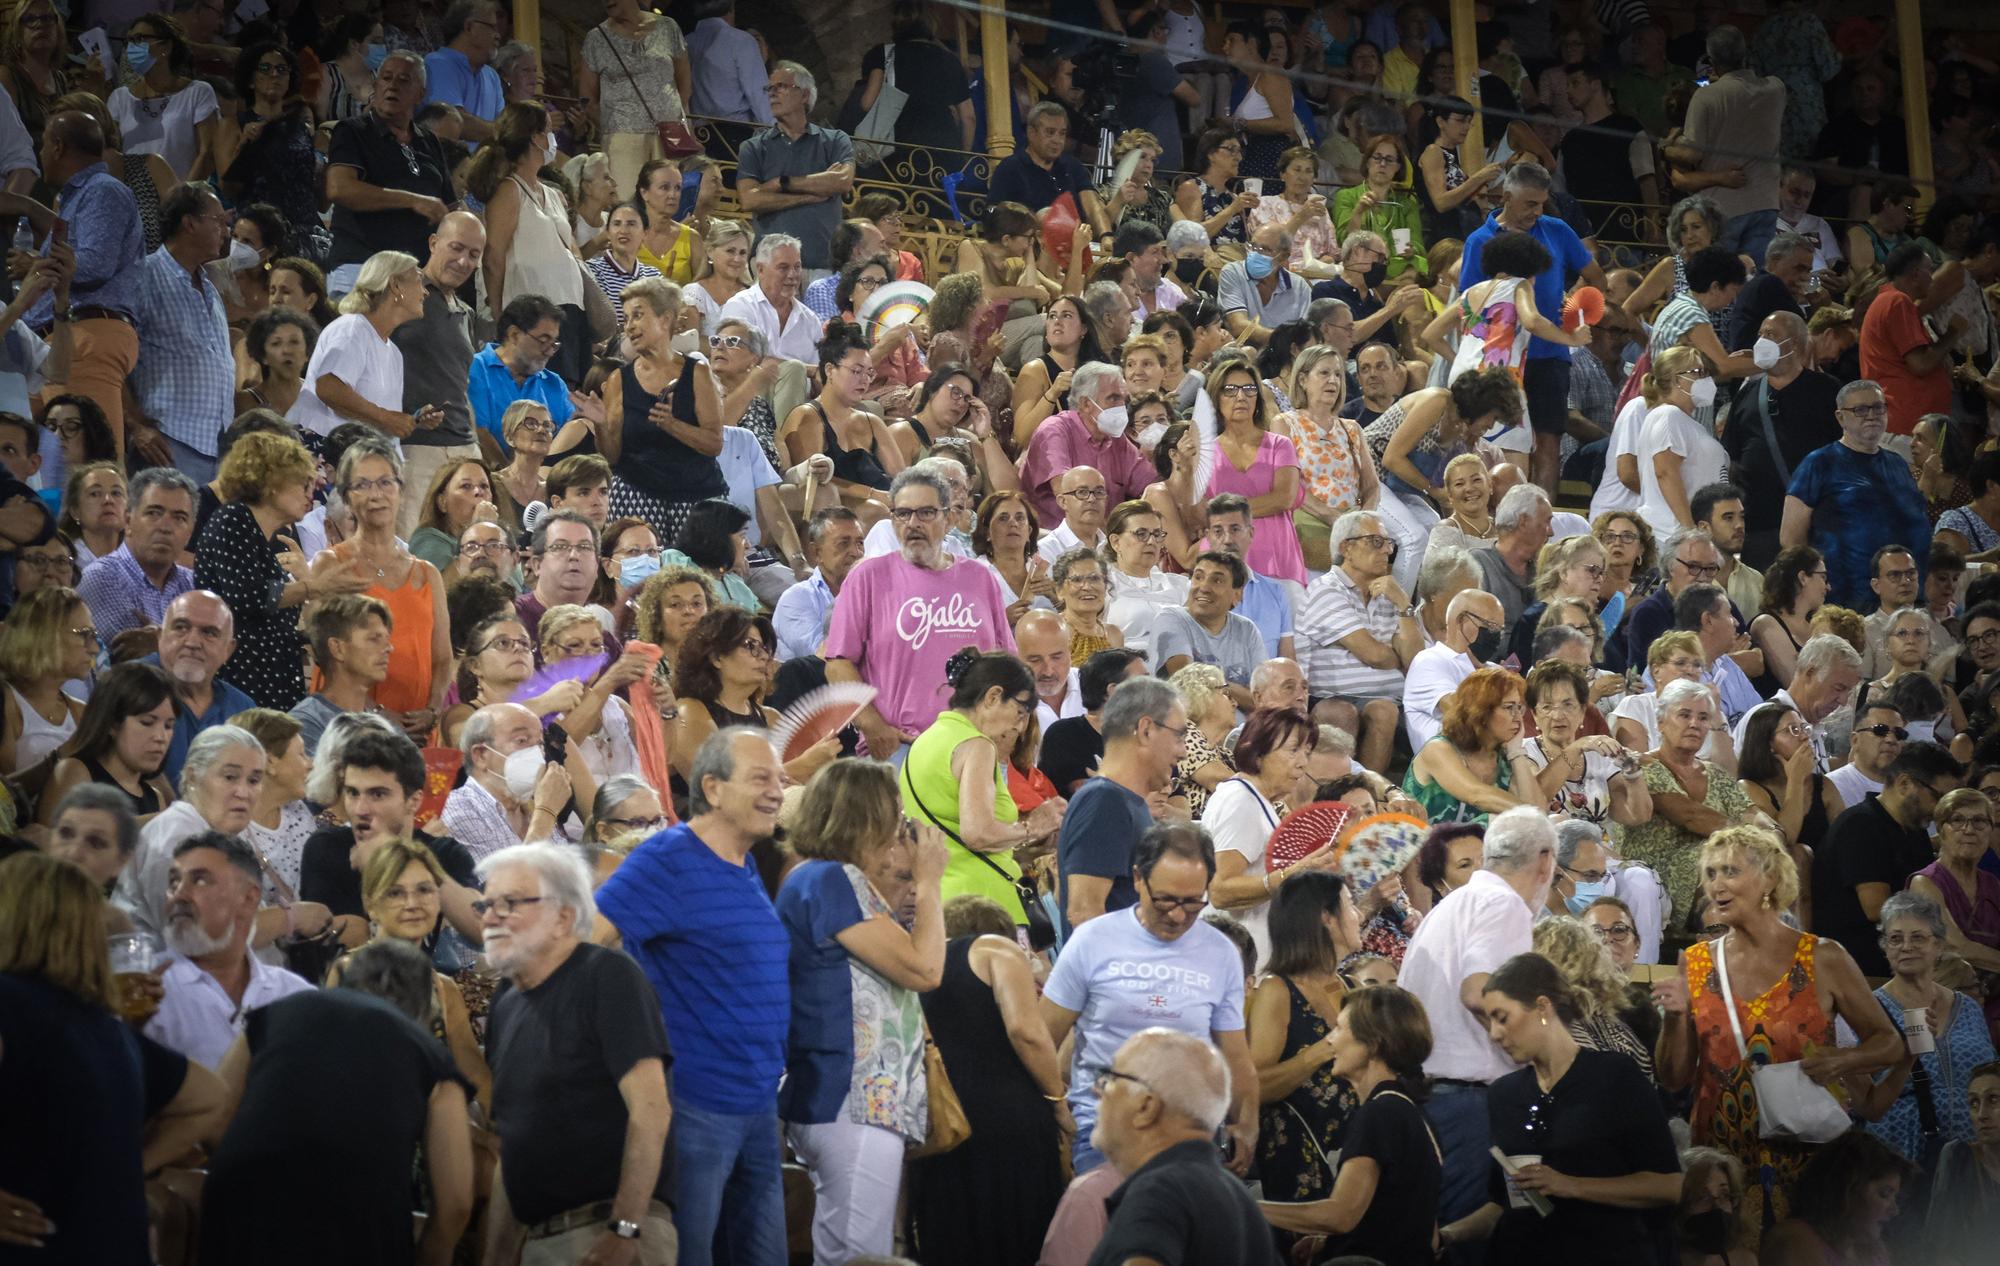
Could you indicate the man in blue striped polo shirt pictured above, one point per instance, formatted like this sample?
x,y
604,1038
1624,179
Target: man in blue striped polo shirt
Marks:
x,y
692,910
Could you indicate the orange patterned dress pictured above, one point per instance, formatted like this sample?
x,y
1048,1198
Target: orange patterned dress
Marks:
x,y
1778,1025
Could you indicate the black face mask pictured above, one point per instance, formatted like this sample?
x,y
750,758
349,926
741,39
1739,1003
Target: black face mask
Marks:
x,y
1708,1232
1376,272
1189,270
1486,644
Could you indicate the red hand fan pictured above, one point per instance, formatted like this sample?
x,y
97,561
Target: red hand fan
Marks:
x,y
817,715
1586,305
1305,831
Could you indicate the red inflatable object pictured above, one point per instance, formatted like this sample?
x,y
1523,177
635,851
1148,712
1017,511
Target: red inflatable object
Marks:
x,y
1587,305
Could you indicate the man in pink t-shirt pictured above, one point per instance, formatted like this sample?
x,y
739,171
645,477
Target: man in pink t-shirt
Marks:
x,y
1896,349
900,616
1091,432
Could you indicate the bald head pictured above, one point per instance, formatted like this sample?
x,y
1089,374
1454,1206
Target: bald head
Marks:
x,y
1081,494
456,249
71,141
1043,642
1471,614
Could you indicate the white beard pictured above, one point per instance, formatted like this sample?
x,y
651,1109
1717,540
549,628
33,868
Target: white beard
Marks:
x,y
187,938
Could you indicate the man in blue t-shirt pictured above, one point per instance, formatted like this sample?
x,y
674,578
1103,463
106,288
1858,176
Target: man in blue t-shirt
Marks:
x,y
1154,966
1851,498
1145,735
692,910
1545,370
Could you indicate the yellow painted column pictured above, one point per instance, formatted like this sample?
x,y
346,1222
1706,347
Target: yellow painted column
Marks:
x,y
999,92
528,23
1465,66
1916,105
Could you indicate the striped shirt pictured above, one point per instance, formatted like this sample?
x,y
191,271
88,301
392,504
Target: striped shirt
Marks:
x,y
612,279
711,944
1335,607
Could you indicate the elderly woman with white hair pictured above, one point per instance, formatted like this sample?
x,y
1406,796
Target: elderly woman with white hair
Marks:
x,y
1692,799
356,372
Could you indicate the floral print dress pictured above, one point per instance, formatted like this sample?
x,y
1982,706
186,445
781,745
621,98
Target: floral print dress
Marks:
x,y
888,1087
1298,1137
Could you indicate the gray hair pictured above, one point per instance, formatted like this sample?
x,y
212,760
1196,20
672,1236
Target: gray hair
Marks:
x,y
1042,110
770,244
1334,740
330,757
99,797
1261,675
759,345
1551,638
716,758
1786,245
923,475
416,61
1822,651
1348,526
1702,207
1284,246
479,727
1518,506
564,878
614,791
1320,311
822,522
1087,383
1184,234
1517,840
361,450
804,79
1681,691
1571,836
398,973
1364,238
207,749
1103,300
1727,49
372,283
1184,1072
161,477
1443,564
507,55
1912,905
1681,536
1855,388
1137,697
1526,175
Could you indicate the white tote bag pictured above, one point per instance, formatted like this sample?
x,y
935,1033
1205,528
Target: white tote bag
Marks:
x,y
1790,1105
875,136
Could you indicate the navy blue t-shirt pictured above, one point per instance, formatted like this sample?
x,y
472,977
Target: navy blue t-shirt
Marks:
x,y
712,947
1100,828
1859,502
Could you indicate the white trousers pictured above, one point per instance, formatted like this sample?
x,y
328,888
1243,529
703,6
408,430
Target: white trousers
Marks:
x,y
857,1173
1638,887
1410,523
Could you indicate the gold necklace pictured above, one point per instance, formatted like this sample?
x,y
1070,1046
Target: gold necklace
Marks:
x,y
1465,525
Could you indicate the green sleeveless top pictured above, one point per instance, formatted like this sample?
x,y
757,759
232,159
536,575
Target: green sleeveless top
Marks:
x,y
930,797
1440,805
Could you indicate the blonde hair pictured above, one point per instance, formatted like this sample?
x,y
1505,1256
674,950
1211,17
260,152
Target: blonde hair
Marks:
x,y
1144,343
719,232
1136,138
261,463
52,927
659,294
849,807
1584,961
1763,850
560,617
1293,380
1666,371
371,285
35,633
1672,643
1556,557
388,865
1844,623
1198,684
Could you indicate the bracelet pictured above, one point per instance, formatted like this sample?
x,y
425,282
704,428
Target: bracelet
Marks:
x,y
1055,1098
1267,879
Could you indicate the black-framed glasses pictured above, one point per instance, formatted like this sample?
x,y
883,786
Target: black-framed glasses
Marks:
x,y
626,826
505,905
1617,933
47,563
1101,1079
1884,731
1084,494
1983,640
1238,389
1868,411
917,514
1619,538
492,549
1585,876
1970,824
757,647
515,645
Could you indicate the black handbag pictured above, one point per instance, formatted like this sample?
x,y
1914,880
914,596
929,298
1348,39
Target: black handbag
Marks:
x,y
1041,929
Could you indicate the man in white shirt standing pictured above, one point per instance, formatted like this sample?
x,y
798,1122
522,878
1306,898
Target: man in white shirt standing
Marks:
x,y
1870,752
1081,493
212,981
1461,942
1473,637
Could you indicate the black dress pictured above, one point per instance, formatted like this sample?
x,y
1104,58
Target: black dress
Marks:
x,y
659,478
315,1168
235,559
1389,1129
855,465
1298,1137
988,1201
148,799
280,167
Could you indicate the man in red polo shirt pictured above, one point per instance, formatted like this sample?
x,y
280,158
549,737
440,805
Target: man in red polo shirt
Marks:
x,y
1899,353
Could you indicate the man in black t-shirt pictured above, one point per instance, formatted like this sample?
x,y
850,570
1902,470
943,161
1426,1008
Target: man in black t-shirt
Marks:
x,y
579,1054
1043,170
1800,404
1159,1106
1872,849
1609,159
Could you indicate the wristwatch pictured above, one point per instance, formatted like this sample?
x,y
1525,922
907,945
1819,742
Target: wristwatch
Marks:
x,y
784,184
625,1230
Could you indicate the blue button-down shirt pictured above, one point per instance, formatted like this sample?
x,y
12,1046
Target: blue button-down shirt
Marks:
x,y
186,375
103,229
818,297
450,78
729,74
801,616
492,387
224,701
121,596
1267,603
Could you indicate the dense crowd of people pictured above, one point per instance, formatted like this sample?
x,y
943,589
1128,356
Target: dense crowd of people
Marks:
x,y
1332,695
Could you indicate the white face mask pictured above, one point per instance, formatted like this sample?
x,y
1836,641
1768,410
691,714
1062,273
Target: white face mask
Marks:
x,y
523,770
1767,353
1113,421
1702,392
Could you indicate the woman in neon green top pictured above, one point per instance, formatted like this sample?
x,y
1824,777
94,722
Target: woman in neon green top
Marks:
x,y
1475,767
1384,203
955,777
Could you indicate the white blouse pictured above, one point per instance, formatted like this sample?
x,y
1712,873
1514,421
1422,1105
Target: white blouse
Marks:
x,y
164,125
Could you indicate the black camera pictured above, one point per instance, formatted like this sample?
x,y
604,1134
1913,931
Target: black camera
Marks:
x,y
1100,73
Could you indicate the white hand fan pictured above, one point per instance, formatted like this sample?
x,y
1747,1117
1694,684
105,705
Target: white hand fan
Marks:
x,y
819,714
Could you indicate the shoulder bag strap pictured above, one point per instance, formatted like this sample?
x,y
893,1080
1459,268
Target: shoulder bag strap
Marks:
x,y
1262,805
1421,1117
629,76
1728,998
1920,1077
909,785
1771,431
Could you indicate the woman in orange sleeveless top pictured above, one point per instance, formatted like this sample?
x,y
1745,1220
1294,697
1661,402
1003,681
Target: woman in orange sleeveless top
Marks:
x,y
1789,987
420,659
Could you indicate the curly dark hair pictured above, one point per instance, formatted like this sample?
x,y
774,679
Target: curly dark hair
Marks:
x,y
840,339
1826,1192
269,322
850,277
696,674
271,226
1484,393
706,535
1268,729
1435,853
1782,577
1515,255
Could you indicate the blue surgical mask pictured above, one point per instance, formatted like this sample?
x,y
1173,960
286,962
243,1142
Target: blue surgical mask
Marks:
x,y
373,55
1585,893
634,572
139,56
1259,266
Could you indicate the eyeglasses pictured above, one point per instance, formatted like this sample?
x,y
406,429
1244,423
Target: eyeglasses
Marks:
x,y
1913,634
1700,571
1168,905
1619,538
1385,159
756,646
46,563
1091,578
1907,940
772,90
511,645
1179,732
70,428
1884,731
89,636
565,549
1268,252
1969,824
386,483
1869,411
1150,536
492,549
535,426
1238,389
727,340
918,514
1594,570
626,826
1105,1076
1084,494
1373,540
1586,876
1983,640
1616,934
505,905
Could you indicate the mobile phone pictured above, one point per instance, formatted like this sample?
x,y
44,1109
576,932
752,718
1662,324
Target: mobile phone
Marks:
x,y
59,233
